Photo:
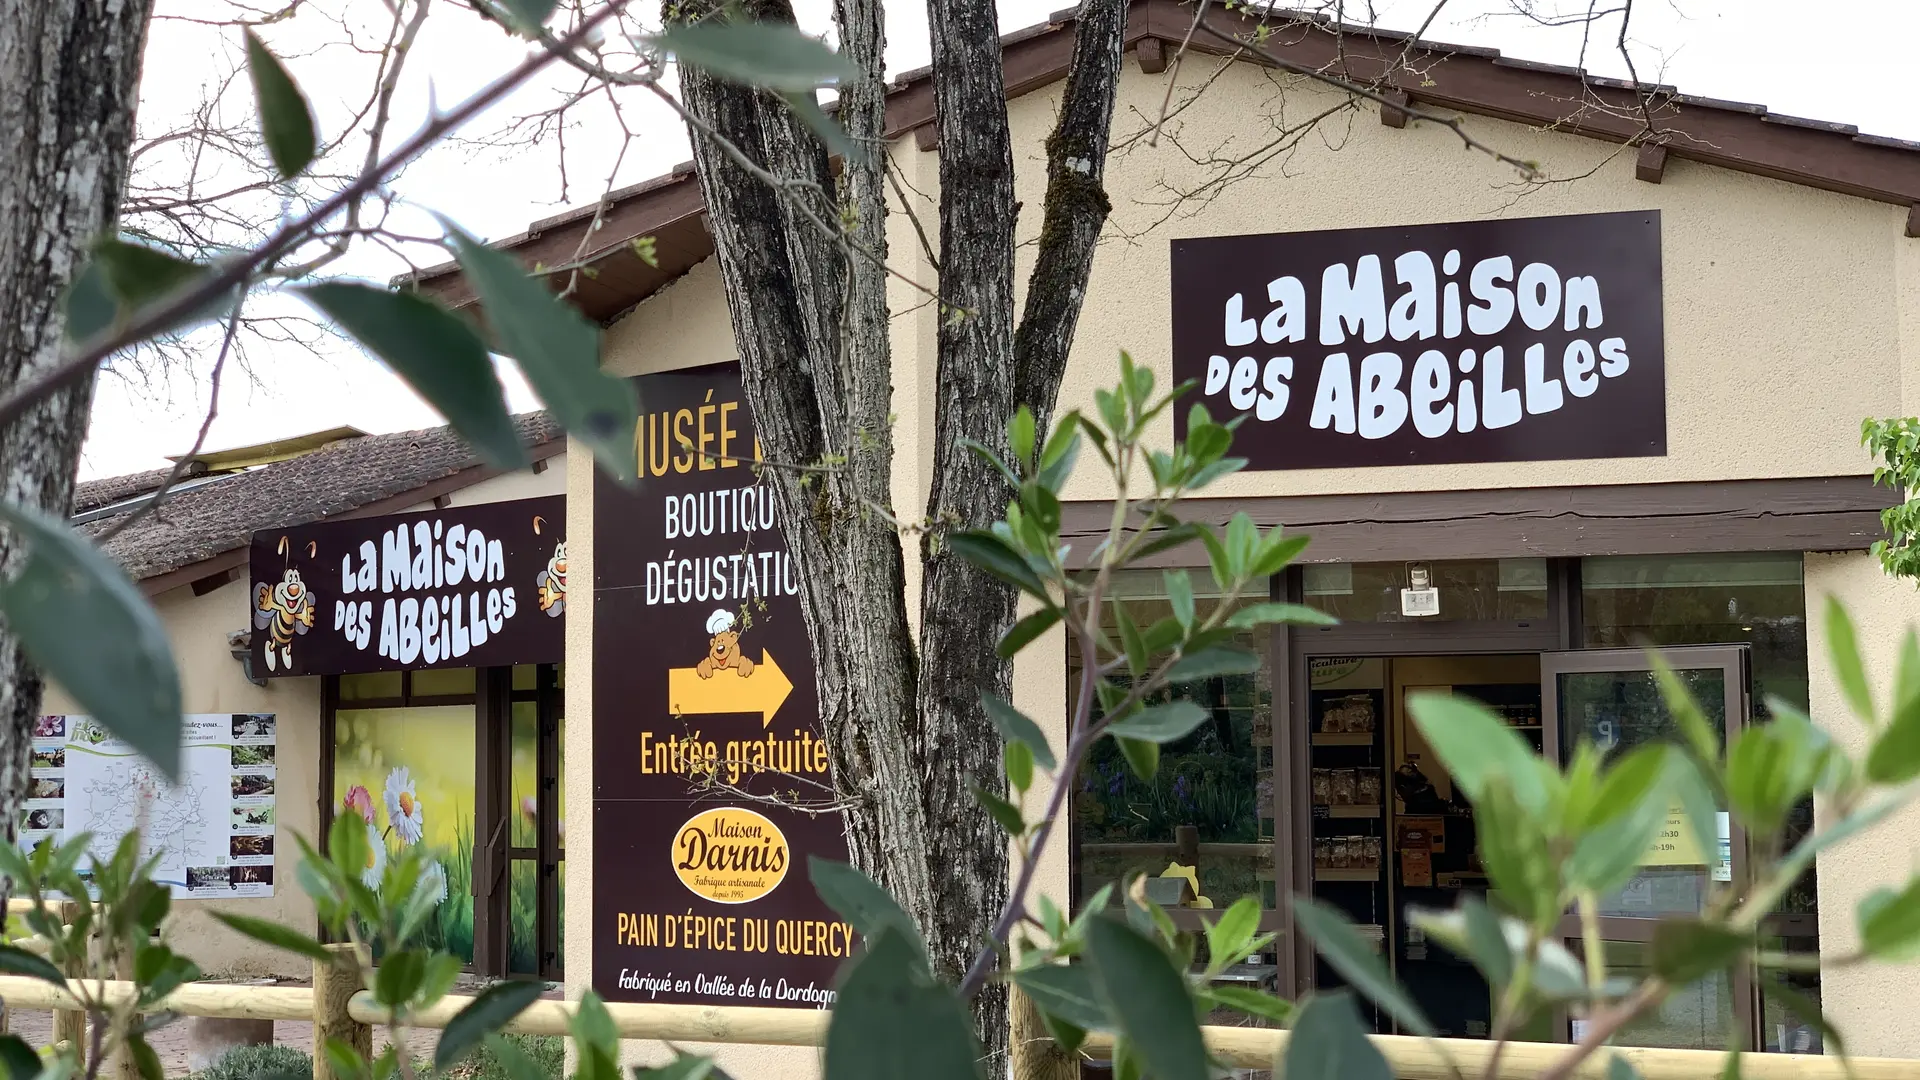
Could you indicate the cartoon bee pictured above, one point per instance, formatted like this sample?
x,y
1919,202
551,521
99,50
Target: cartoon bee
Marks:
x,y
283,610
553,580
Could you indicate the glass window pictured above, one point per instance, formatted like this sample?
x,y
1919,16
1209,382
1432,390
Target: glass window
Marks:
x,y
525,677
1758,600
1696,1017
1489,590
1212,799
370,686
442,682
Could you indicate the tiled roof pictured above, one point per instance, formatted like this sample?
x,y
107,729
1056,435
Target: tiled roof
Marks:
x,y
217,515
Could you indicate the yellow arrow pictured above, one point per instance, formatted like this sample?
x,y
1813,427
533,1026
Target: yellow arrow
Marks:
x,y
728,691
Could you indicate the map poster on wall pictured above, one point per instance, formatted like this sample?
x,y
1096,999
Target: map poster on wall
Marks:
x,y
213,831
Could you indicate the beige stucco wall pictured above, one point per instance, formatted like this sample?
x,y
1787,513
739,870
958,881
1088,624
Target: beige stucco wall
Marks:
x,y
211,682
1873,1002
1791,314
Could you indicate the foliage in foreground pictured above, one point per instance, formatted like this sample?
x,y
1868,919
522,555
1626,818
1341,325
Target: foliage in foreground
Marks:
x,y
1119,970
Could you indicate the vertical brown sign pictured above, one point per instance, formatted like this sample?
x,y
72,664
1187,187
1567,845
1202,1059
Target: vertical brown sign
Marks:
x,y
1517,339
706,723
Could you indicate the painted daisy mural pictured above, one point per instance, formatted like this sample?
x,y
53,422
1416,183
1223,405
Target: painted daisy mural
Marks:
x,y
408,773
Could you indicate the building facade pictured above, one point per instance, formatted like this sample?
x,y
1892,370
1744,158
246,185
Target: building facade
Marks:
x,y
1664,454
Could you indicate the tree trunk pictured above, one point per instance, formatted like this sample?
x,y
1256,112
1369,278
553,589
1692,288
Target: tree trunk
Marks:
x,y
808,308
69,83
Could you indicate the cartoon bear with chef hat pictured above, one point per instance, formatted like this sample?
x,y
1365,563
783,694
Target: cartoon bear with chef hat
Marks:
x,y
723,648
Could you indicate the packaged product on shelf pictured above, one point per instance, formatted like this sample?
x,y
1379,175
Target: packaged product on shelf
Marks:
x,y
1342,853
1322,852
1343,787
1367,788
1370,852
1322,787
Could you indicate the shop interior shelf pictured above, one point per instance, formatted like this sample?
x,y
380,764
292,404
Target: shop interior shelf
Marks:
x,y
1351,811
1348,874
1343,738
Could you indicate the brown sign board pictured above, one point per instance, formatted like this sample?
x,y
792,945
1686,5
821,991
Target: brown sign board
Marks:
x,y
706,724
1517,339
465,586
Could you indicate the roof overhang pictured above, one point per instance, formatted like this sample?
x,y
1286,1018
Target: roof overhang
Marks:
x,y
1731,135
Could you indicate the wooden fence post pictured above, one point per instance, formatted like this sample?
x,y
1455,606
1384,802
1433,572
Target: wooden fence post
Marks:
x,y
70,1025
124,1065
334,984
1035,1055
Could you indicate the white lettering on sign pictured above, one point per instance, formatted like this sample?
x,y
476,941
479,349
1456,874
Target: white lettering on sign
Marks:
x,y
442,587
1417,381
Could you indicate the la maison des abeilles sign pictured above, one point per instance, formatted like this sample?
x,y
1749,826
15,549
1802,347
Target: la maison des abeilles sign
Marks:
x,y
1518,339
465,586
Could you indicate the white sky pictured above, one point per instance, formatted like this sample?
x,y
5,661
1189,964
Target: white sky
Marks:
x,y
1848,64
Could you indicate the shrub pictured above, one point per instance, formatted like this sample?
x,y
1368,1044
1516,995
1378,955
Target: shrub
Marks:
x,y
263,1062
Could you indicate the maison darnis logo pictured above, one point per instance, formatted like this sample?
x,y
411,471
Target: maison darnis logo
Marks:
x,y
730,855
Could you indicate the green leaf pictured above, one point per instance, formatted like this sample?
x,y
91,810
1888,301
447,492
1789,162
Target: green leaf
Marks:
x,y
346,1062
893,1019
65,592
1143,757
831,135
19,1060
1014,726
1685,949
1065,991
1513,848
286,123
529,15
399,977
1357,962
145,1061
773,55
1625,817
1025,631
1695,795
91,308
1277,552
485,1014
1214,661
1619,1068
1265,613
436,352
1770,767
1255,1003
1148,998
1473,932
1018,762
559,352
1228,935
17,961
1003,812
1163,723
1180,596
1020,436
990,553
268,932
1894,757
856,898
1476,746
593,1026
1329,1043
1843,648
1890,923
137,275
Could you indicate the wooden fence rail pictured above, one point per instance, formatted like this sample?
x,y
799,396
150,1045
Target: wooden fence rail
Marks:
x,y
347,1012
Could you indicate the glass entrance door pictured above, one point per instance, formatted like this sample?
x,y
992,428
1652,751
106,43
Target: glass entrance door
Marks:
x,y
1611,699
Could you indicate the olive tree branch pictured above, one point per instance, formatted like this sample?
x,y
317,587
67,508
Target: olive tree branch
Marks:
x,y
238,273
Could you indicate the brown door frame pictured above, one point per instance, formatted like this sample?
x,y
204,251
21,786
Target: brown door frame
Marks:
x,y
1735,664
1557,630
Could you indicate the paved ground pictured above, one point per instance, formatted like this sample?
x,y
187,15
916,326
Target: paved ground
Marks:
x,y
170,1042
